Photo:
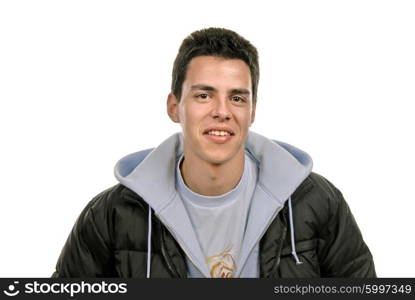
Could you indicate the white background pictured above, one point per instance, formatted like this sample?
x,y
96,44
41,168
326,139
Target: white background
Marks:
x,y
83,83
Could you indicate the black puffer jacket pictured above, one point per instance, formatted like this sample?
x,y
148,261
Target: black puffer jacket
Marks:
x,y
109,239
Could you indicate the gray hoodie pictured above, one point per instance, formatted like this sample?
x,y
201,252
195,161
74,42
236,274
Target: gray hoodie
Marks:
x,y
151,174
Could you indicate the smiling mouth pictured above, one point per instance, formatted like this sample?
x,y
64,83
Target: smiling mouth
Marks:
x,y
219,133
212,131
218,136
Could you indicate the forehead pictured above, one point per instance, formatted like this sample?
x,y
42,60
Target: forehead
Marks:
x,y
218,71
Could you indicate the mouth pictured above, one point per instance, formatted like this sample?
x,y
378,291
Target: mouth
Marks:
x,y
216,131
218,136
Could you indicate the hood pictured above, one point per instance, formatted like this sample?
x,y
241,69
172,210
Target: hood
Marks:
x,y
151,174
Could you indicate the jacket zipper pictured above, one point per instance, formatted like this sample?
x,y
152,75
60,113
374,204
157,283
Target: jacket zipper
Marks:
x,y
283,235
169,263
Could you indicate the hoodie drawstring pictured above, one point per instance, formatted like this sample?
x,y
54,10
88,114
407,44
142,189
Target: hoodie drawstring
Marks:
x,y
293,252
149,243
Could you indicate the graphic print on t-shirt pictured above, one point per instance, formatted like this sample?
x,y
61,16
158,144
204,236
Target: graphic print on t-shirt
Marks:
x,y
222,265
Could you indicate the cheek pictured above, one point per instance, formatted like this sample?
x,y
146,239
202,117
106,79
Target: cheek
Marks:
x,y
245,120
192,116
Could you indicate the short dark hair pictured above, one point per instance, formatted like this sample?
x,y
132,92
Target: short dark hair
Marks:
x,y
215,42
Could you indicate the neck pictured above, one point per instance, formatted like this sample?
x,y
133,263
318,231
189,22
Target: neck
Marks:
x,y
210,179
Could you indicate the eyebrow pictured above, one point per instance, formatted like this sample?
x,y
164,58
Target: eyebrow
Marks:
x,y
240,91
205,87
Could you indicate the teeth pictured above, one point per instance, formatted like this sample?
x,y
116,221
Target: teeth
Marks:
x,y
219,133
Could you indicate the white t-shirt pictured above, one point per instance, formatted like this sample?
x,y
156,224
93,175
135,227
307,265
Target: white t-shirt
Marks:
x,y
220,221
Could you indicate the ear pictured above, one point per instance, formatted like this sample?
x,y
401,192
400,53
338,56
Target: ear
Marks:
x,y
172,108
253,114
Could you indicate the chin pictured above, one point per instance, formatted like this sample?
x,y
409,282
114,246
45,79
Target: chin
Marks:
x,y
218,159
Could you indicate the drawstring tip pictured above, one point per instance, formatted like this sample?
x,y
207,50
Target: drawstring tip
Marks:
x,y
297,260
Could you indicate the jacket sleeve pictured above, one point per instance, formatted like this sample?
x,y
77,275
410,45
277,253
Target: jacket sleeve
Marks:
x,y
344,252
86,252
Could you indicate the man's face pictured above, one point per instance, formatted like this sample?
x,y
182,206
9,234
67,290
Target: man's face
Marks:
x,y
215,109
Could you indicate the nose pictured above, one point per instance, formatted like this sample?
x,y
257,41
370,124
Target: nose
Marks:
x,y
221,110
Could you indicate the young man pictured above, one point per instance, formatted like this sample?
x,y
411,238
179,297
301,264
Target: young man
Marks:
x,y
216,200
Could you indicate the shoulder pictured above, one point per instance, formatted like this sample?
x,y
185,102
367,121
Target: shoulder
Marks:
x,y
318,189
328,194
318,201
115,197
116,210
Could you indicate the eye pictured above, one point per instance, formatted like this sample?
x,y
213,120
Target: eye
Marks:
x,y
238,99
202,96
